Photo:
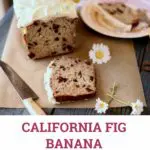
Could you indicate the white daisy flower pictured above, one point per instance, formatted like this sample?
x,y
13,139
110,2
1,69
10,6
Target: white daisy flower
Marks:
x,y
101,107
100,53
137,107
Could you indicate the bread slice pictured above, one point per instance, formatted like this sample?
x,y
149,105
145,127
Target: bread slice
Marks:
x,y
55,37
69,79
108,21
125,13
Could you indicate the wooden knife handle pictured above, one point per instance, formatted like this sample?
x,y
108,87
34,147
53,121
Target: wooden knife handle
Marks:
x,y
32,107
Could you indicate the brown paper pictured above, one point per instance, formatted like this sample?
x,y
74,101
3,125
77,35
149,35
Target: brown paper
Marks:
x,y
121,69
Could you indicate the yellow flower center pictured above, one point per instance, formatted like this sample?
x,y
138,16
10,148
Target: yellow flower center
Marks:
x,y
99,54
102,105
136,106
76,1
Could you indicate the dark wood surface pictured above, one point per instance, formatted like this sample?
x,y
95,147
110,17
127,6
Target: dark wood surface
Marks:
x,y
142,53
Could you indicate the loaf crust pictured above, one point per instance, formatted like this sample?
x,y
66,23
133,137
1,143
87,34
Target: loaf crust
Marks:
x,y
62,99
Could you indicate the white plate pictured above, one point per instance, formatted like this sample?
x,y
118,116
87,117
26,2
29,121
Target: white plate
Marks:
x,y
88,20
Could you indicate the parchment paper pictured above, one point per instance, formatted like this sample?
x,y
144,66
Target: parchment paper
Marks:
x,y
122,68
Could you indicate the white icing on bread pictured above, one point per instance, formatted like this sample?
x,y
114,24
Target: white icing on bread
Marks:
x,y
27,11
47,86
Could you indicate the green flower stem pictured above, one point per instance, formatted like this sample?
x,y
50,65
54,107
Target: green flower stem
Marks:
x,y
113,92
118,100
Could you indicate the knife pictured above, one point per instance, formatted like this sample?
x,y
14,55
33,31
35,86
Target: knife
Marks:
x,y
27,95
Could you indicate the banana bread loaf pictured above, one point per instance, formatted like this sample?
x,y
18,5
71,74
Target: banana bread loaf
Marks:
x,y
49,27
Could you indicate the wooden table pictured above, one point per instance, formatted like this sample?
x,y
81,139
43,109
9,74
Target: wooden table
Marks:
x,y
4,5
142,53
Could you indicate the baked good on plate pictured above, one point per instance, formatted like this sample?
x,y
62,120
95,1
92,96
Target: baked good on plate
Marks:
x,y
69,79
121,17
48,26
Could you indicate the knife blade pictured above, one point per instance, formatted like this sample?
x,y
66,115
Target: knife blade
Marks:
x,y
27,95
